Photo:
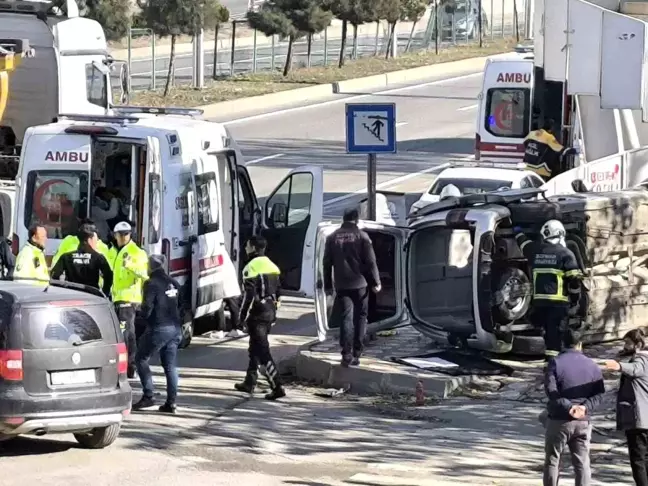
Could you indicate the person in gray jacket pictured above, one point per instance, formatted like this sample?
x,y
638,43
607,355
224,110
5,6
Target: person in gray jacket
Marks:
x,y
632,402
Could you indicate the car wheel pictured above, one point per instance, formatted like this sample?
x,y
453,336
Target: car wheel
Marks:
x,y
512,296
99,437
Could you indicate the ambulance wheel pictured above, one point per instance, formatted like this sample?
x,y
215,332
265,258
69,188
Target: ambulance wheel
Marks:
x,y
187,334
512,296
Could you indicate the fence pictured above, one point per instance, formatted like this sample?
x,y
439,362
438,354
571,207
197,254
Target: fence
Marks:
x,y
244,50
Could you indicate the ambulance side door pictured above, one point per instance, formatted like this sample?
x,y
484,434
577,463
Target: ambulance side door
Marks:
x,y
290,218
153,207
213,274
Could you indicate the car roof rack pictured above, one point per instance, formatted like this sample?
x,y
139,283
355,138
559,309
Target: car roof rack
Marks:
x,y
154,110
63,284
486,164
97,118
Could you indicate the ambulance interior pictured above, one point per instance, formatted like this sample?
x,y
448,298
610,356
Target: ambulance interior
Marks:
x,y
118,167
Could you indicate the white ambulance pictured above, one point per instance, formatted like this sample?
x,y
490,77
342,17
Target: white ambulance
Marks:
x,y
184,187
505,107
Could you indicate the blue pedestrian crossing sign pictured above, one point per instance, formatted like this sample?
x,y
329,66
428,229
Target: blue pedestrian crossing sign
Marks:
x,y
370,128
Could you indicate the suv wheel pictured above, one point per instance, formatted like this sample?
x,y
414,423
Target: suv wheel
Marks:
x,y
512,296
99,438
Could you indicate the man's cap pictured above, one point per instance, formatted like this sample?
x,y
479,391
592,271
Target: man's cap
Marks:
x,y
156,262
123,227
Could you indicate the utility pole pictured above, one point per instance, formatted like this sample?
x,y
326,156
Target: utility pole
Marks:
x,y
529,13
199,61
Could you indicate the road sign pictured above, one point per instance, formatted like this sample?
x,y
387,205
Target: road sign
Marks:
x,y
370,128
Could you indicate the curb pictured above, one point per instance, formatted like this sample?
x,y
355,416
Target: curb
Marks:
x,y
352,86
317,368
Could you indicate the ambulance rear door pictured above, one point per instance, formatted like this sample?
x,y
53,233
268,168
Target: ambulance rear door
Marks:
x,y
505,109
152,213
214,276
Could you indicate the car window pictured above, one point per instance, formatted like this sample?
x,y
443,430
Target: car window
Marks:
x,y
525,183
290,204
59,327
208,200
96,90
56,200
469,186
508,112
535,181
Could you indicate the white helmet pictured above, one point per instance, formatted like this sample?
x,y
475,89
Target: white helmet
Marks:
x,y
450,191
553,230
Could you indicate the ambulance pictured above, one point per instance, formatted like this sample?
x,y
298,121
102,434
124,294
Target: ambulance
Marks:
x,y
505,107
185,188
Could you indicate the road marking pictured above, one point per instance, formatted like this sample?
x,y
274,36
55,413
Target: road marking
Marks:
x,y
351,98
467,108
263,159
391,182
401,124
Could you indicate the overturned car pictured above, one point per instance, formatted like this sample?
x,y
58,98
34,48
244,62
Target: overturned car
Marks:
x,y
457,274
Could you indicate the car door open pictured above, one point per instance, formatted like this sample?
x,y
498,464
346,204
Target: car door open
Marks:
x,y
290,218
152,213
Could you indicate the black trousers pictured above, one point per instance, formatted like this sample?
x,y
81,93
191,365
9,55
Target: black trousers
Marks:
x,y
350,308
259,354
638,452
126,313
234,306
553,319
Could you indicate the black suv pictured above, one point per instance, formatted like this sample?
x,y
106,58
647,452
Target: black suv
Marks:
x,y
62,363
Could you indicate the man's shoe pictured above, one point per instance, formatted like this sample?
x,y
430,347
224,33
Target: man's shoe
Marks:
x,y
276,394
236,333
168,408
144,402
131,372
244,387
218,335
355,362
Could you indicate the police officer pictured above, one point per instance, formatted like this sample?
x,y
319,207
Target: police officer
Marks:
x,y
85,265
556,277
31,262
542,152
259,311
130,271
71,243
161,309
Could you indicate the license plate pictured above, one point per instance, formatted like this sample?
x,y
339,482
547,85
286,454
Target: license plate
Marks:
x,y
78,377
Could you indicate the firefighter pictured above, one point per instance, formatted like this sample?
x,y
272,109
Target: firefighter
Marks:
x,y
31,262
556,281
130,271
259,311
542,152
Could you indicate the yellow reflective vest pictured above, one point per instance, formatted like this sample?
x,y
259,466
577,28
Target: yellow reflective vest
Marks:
x,y
31,263
130,271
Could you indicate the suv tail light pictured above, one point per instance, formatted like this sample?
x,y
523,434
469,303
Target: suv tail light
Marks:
x,y
122,358
15,244
11,368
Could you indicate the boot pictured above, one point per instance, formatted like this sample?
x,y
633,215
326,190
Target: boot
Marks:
x,y
276,393
245,387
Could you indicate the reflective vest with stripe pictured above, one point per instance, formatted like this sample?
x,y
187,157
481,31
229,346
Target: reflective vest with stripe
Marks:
x,y
130,272
31,263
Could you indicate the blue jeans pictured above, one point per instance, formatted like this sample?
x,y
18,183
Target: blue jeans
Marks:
x,y
165,339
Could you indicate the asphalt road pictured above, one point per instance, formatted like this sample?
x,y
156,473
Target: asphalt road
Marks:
x,y
435,124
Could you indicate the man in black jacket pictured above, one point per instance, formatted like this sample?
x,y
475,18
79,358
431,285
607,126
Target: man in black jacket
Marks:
x,y
350,266
85,265
161,308
575,387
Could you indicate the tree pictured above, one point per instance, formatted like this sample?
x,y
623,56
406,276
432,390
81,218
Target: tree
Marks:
x,y
390,10
113,15
221,15
290,19
356,13
171,18
412,11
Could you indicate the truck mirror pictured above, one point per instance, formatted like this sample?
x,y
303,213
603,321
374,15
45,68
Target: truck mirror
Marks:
x,y
279,215
578,186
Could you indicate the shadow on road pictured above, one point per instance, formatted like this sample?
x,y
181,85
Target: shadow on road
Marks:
x,y
32,446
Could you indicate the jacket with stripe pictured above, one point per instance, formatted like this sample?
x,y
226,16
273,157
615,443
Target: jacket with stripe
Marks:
x,y
261,290
555,272
543,153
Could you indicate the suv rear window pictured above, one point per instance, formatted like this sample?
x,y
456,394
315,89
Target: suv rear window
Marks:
x,y
60,327
469,186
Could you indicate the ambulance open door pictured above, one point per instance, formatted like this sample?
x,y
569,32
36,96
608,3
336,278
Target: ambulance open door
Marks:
x,y
152,203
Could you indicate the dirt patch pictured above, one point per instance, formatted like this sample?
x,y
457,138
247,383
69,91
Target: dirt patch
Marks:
x,y
244,86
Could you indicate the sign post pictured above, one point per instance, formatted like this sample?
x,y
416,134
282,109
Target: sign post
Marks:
x,y
371,129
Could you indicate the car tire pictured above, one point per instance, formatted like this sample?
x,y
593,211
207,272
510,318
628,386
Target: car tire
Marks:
x,y
99,437
512,296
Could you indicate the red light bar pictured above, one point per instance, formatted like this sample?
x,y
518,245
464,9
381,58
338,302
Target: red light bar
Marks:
x,y
91,130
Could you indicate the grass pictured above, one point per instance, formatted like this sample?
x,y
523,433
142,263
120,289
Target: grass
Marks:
x,y
243,86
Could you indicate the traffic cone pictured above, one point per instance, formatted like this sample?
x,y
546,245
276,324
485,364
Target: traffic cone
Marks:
x,y
420,394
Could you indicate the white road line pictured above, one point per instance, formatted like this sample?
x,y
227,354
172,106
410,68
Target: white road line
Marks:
x,y
263,159
401,124
390,182
350,98
467,108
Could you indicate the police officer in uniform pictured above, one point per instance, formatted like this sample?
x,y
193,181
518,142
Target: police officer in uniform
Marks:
x,y
542,152
130,271
259,311
85,265
71,243
556,276
31,262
